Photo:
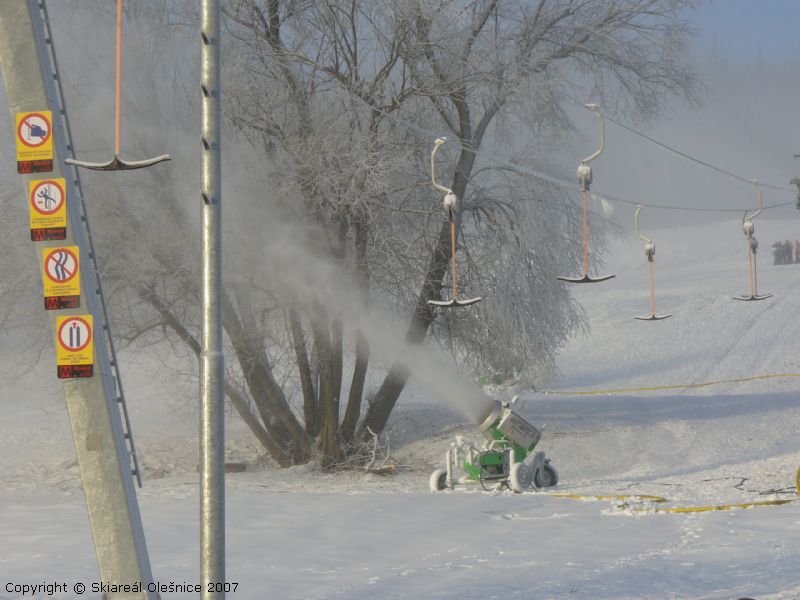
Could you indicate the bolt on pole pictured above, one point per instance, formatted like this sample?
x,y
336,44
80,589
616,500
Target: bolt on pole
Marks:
x,y
212,430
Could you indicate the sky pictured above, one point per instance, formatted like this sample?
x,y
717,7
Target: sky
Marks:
x,y
748,30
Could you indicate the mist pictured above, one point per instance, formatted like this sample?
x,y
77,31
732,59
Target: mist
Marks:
x,y
742,123
745,124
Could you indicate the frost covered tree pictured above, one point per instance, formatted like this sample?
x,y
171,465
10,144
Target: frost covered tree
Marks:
x,y
332,109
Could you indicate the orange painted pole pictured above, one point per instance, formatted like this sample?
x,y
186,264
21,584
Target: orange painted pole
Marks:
x,y
652,290
118,90
453,253
750,260
585,237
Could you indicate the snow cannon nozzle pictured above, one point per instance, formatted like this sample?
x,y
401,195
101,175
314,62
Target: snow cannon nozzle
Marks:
x,y
489,418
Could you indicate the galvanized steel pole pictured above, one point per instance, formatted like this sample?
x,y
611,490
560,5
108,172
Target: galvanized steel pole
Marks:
x,y
212,430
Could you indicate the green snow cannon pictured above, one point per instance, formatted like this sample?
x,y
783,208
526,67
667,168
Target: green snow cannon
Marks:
x,y
505,459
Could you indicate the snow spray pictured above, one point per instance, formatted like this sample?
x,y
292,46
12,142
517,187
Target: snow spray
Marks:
x,y
290,267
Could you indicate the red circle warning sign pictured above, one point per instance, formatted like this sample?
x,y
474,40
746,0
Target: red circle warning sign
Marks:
x,y
47,197
74,334
34,130
61,265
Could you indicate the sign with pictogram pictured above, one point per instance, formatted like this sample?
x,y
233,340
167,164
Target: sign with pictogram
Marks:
x,y
34,142
48,210
62,279
74,346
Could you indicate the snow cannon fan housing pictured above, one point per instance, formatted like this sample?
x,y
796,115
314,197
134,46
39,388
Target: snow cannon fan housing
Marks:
x,y
748,228
502,423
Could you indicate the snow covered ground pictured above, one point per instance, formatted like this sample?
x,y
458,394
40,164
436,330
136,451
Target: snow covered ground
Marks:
x,y
305,534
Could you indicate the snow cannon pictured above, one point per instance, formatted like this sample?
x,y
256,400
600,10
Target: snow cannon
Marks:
x,y
505,459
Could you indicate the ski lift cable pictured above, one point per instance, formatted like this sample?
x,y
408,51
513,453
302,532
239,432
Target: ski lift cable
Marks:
x,y
568,184
697,160
684,154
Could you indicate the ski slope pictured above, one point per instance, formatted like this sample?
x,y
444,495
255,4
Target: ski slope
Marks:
x,y
306,534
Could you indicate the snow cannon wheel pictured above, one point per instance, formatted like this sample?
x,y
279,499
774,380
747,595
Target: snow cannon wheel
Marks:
x,y
520,477
545,477
438,480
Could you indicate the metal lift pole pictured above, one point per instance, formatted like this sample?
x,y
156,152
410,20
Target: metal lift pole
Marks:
x,y
96,406
212,429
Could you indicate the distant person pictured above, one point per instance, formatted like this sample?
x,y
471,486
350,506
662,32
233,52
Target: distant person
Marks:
x,y
777,250
797,251
787,248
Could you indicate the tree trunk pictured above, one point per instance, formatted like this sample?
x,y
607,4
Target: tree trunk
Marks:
x,y
310,401
276,452
269,436
337,361
328,419
353,411
267,393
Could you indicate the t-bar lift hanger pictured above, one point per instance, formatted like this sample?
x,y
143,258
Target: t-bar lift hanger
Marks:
x,y
451,208
117,164
585,180
752,248
650,252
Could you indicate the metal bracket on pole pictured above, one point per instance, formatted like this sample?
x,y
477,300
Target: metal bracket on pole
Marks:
x,y
747,221
649,247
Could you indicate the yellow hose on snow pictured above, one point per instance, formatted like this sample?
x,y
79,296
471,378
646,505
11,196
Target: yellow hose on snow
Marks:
x,y
714,507
797,481
678,509
643,497
664,387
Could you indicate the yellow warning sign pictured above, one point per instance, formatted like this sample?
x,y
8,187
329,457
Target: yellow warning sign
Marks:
x,y
74,346
48,209
34,139
62,278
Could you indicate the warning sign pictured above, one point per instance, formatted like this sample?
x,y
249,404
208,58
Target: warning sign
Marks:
x,y
34,142
62,281
74,346
48,210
